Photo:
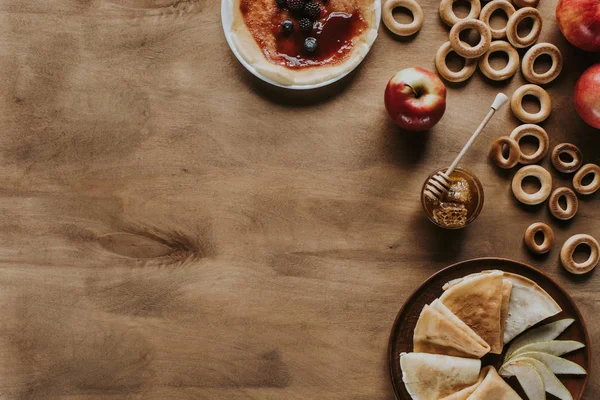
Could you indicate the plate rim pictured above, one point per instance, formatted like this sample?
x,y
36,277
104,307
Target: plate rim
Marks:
x,y
390,354
253,71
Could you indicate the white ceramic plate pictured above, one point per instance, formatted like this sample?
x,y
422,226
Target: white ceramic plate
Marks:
x,y
226,20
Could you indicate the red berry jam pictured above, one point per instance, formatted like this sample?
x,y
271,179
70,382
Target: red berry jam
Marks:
x,y
335,33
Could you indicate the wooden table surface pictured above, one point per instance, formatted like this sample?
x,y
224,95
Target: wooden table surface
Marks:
x,y
172,228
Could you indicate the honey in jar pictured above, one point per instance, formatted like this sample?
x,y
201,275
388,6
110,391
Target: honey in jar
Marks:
x,y
460,206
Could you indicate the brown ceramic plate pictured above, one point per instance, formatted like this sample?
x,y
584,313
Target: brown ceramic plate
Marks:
x,y
401,337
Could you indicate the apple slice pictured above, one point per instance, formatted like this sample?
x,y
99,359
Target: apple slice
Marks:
x,y
556,364
552,384
554,347
530,380
543,333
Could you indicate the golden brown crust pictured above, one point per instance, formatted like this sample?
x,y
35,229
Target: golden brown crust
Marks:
x,y
511,67
545,185
564,166
532,54
547,243
436,334
514,152
591,187
447,14
566,254
463,49
570,198
488,10
477,301
395,26
460,76
513,22
537,132
516,104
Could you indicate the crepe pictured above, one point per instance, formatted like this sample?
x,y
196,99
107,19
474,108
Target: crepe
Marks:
x,y
437,305
477,301
529,304
437,334
466,392
506,292
493,387
433,376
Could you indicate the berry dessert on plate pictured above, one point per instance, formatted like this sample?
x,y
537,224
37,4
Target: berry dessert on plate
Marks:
x,y
301,43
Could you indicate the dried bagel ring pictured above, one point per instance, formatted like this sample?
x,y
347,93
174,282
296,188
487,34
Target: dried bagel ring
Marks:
x,y
566,166
511,27
532,54
516,104
540,174
463,49
526,3
547,233
566,254
488,10
571,200
449,75
537,132
511,67
447,14
395,26
582,173
514,152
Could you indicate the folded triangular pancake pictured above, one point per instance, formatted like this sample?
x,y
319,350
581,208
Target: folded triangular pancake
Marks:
x,y
438,306
529,304
477,301
493,387
466,392
437,334
433,376
506,291
473,275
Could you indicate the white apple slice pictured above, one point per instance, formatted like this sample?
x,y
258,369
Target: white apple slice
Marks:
x,y
554,347
541,334
556,364
530,380
552,384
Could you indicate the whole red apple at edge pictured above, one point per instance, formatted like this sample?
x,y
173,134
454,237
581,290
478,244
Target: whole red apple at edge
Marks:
x,y
415,99
587,96
579,22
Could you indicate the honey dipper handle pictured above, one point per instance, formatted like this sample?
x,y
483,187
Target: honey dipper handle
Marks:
x,y
499,101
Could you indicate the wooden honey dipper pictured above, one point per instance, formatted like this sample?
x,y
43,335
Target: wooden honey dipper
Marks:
x,y
439,184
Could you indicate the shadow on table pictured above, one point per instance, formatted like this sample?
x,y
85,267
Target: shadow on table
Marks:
x,y
438,243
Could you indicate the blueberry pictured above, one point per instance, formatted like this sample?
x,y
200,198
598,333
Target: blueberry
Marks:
x,y
281,3
287,26
310,44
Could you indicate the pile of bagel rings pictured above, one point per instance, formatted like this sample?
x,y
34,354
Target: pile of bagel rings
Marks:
x,y
506,153
505,40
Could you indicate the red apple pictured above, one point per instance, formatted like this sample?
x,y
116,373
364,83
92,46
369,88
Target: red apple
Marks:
x,y
587,96
415,99
579,22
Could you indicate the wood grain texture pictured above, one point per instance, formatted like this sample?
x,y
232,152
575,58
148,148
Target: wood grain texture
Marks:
x,y
172,228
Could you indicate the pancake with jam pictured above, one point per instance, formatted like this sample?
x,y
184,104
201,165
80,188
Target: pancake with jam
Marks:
x,y
300,42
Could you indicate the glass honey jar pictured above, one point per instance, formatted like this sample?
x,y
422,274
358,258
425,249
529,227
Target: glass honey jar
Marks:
x,y
460,206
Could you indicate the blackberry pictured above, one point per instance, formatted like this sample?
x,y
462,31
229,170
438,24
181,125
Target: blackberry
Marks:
x,y
295,5
310,44
287,26
306,25
312,10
